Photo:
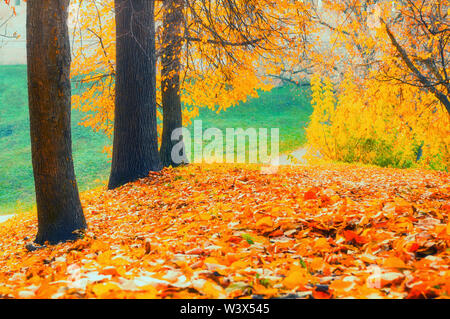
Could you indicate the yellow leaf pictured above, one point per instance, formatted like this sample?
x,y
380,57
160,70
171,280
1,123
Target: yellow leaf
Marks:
x,y
238,265
102,290
296,278
213,291
120,261
105,258
264,222
211,260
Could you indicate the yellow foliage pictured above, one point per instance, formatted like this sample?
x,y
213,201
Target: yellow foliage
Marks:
x,y
381,123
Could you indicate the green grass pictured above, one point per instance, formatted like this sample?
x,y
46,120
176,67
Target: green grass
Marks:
x,y
285,108
16,174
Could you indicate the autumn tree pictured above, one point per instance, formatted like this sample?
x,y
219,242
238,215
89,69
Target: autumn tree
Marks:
x,y
198,25
223,48
424,51
60,214
6,16
4,20
135,149
374,93
416,31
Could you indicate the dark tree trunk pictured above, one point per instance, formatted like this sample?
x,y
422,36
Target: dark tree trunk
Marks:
x,y
170,83
48,54
135,149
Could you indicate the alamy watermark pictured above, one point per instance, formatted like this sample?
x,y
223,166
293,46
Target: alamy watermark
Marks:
x,y
234,145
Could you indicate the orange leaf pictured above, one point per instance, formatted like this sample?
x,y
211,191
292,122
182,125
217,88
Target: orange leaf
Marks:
x,y
311,194
264,222
394,262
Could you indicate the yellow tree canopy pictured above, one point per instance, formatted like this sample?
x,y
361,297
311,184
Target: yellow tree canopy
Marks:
x,y
372,107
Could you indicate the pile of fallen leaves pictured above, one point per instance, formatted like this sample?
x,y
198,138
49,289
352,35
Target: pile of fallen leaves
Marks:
x,y
237,232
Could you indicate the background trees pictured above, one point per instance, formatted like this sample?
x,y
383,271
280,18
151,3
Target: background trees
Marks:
x,y
216,37
224,60
381,95
224,49
48,53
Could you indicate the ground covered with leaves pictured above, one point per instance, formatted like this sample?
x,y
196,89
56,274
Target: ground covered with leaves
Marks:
x,y
241,232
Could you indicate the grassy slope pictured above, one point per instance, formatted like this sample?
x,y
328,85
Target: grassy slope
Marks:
x,y
284,108
16,175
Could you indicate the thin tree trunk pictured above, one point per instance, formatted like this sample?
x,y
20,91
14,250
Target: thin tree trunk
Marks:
x,y
48,55
135,148
170,83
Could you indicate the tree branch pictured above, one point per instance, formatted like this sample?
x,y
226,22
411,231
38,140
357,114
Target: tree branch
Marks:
x,y
422,79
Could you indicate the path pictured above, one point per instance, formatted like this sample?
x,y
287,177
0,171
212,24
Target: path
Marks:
x,y
299,156
4,218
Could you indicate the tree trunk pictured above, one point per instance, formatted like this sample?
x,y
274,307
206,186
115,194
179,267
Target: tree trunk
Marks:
x,y
48,56
170,79
135,148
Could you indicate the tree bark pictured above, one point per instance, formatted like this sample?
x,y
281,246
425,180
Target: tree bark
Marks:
x,y
170,83
135,147
59,210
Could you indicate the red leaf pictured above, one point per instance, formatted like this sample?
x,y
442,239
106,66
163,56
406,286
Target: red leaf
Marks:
x,y
311,194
